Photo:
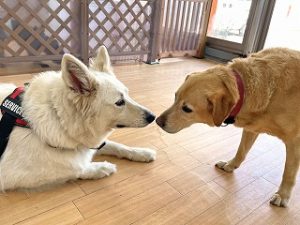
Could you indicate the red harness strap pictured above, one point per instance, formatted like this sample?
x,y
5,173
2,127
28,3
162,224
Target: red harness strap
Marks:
x,y
12,105
11,115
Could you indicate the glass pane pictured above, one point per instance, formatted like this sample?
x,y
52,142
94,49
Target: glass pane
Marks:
x,y
228,19
284,30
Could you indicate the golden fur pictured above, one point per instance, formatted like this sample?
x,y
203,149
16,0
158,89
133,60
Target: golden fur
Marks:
x,y
272,105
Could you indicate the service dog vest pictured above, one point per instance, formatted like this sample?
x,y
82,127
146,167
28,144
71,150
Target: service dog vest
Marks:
x,y
11,110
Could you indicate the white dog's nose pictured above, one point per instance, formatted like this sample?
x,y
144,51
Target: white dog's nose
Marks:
x,y
149,117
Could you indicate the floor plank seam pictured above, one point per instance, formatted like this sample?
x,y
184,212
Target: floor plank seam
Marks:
x,y
41,213
78,211
134,197
147,189
122,180
223,200
275,185
170,202
251,213
205,146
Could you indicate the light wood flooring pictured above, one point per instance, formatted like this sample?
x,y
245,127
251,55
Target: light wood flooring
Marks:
x,y
181,187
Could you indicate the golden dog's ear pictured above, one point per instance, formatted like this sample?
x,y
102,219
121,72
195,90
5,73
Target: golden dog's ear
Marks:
x,y
220,106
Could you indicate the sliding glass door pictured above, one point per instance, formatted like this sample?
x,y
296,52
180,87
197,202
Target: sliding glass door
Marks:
x,y
228,20
229,24
238,27
284,30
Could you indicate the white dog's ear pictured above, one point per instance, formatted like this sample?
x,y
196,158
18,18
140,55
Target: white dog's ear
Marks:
x,y
76,75
102,61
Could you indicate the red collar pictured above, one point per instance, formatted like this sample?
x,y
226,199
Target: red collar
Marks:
x,y
231,118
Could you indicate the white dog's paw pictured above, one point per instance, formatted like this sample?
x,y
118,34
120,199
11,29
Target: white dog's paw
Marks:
x,y
98,170
107,168
226,166
277,200
142,155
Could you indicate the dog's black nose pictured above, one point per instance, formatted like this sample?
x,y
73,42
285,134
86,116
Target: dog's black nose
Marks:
x,y
149,117
161,121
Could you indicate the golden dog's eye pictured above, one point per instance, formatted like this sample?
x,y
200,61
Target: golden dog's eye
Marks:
x,y
186,109
120,102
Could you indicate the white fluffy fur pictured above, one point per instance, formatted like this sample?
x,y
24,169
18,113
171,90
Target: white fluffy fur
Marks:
x,y
70,112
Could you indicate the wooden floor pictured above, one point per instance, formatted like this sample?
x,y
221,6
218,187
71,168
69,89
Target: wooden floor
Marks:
x,y
181,187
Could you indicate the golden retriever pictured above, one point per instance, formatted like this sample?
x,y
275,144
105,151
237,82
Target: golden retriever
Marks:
x,y
269,94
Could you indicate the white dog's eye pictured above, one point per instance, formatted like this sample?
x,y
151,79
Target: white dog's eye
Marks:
x,y
120,102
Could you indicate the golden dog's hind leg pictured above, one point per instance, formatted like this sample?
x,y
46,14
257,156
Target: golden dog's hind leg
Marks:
x,y
248,138
281,197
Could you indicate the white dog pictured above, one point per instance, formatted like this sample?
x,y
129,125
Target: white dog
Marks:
x,y
69,113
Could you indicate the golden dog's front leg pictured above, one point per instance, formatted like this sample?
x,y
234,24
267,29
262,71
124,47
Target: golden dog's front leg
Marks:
x,y
281,197
248,138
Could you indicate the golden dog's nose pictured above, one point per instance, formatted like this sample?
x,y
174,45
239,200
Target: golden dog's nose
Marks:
x,y
160,121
